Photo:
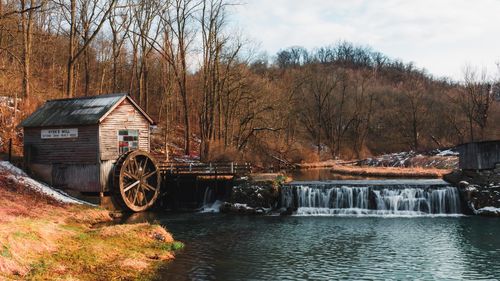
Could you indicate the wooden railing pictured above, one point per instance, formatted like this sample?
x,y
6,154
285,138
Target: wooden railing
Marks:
x,y
206,168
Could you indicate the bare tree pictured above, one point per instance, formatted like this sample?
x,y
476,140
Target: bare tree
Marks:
x,y
26,28
119,22
336,116
314,93
91,15
363,106
220,53
475,99
177,20
413,107
145,13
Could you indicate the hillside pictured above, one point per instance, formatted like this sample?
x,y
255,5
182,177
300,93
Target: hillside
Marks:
x,y
337,101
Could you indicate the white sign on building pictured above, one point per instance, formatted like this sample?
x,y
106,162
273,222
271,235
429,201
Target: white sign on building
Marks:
x,y
60,133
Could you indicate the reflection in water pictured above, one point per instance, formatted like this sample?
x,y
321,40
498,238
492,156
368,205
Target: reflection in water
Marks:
x,y
220,247
480,240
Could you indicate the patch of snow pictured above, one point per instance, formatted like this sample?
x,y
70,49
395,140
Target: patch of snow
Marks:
x,y
471,188
447,152
20,176
242,206
491,210
188,160
446,158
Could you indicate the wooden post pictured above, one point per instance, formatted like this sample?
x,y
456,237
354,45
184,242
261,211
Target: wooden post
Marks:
x,y
166,149
10,150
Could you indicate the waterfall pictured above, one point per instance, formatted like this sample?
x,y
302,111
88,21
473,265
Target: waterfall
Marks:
x,y
210,203
208,196
377,198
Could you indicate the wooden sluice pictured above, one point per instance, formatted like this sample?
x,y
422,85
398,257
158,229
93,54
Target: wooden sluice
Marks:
x,y
190,185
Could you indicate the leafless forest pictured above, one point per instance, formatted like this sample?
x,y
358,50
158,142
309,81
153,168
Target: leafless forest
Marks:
x,y
213,93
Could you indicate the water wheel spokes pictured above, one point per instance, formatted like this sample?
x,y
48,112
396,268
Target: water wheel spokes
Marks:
x,y
138,180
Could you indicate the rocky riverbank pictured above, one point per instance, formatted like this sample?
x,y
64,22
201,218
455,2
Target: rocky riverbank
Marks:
x,y
480,189
255,196
431,164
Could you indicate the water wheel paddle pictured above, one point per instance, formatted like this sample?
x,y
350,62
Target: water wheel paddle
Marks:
x,y
136,180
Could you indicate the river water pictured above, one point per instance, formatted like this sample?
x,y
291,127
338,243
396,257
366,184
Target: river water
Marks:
x,y
228,247
424,237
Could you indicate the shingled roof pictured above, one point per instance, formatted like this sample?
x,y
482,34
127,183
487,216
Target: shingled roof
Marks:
x,y
78,111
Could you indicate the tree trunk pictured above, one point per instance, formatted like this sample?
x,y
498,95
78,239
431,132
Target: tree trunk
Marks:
x,y
26,24
187,132
115,59
86,69
145,85
71,51
471,128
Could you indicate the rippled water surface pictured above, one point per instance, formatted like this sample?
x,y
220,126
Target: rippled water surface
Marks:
x,y
225,247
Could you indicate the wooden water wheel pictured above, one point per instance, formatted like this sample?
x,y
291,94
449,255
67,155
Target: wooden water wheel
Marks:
x,y
136,180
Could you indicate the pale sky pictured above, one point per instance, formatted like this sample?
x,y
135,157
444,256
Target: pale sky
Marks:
x,y
441,36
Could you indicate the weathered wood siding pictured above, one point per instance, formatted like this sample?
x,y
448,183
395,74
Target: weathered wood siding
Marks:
x,y
106,174
479,155
124,116
79,177
80,150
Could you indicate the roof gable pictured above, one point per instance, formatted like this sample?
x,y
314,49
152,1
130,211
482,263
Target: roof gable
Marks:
x,y
134,104
77,111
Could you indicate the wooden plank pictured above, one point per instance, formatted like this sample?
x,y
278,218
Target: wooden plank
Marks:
x,y
106,170
208,169
125,116
83,178
80,150
479,155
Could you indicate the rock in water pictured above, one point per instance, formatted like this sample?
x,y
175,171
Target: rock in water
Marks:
x,y
480,189
256,194
252,198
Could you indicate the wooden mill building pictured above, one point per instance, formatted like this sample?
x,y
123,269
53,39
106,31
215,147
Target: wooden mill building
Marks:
x,y
73,143
483,155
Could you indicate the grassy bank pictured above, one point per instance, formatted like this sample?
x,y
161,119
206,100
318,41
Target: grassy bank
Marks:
x,y
43,239
390,172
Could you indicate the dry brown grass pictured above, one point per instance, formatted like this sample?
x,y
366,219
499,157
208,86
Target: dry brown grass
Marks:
x,y
319,164
390,172
42,239
90,216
